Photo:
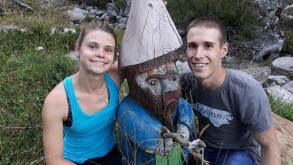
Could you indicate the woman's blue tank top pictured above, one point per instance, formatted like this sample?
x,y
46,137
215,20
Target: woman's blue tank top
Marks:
x,y
90,135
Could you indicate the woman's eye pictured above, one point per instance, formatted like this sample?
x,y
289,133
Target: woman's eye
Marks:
x,y
108,50
153,82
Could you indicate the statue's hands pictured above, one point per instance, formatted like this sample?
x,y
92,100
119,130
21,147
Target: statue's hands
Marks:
x,y
164,145
183,131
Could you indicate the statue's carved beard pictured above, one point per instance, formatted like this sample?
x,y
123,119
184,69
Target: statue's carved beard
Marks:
x,y
161,106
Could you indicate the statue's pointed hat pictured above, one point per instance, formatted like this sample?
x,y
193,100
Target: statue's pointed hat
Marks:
x,y
150,34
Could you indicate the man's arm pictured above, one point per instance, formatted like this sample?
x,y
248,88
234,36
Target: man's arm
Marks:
x,y
52,116
270,149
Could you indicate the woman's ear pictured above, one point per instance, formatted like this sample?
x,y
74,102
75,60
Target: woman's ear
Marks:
x,y
77,50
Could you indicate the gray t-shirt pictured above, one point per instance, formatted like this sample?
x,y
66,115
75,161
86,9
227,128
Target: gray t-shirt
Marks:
x,y
234,111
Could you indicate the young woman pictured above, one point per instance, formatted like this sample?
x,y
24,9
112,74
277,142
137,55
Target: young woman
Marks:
x,y
78,114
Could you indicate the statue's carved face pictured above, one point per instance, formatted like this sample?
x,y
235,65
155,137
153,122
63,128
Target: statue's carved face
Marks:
x,y
159,80
159,91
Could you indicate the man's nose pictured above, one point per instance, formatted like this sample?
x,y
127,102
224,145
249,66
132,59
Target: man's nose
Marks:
x,y
196,53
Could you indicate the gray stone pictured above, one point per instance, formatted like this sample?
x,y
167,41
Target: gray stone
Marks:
x,y
77,14
120,26
112,9
280,80
93,12
72,55
280,94
287,13
5,28
69,30
261,74
127,4
289,87
182,67
100,13
284,65
104,16
270,50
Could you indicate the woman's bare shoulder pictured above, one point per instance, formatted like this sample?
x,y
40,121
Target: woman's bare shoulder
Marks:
x,y
55,102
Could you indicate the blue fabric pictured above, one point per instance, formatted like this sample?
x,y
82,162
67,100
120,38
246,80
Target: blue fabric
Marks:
x,y
140,131
229,157
91,135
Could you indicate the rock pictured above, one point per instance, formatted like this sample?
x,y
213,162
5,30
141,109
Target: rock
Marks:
x,y
284,65
285,138
5,28
72,55
120,26
77,14
39,48
261,74
112,9
289,87
52,30
287,13
269,50
93,12
69,30
280,94
280,80
127,4
182,67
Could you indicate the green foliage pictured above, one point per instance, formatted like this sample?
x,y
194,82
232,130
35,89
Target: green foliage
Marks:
x,y
282,109
236,15
120,4
26,77
288,45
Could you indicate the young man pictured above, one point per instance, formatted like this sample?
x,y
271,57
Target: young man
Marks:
x,y
234,106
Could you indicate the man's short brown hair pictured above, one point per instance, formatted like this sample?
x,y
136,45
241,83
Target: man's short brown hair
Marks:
x,y
209,22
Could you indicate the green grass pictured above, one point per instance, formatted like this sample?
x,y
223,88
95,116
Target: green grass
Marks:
x,y
284,110
26,77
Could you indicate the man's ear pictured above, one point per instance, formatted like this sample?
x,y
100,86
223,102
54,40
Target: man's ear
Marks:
x,y
224,50
77,49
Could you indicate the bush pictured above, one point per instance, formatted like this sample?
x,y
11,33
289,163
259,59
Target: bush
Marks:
x,y
288,45
236,15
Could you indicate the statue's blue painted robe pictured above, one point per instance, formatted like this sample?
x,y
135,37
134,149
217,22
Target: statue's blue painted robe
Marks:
x,y
139,130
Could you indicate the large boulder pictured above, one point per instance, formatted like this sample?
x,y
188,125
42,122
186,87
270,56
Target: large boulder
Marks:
x,y
285,138
284,65
287,13
280,94
289,87
261,74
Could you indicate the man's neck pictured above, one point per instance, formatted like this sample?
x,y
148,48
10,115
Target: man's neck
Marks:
x,y
215,81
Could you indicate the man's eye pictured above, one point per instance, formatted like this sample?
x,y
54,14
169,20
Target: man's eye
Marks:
x,y
92,46
153,82
208,45
191,45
